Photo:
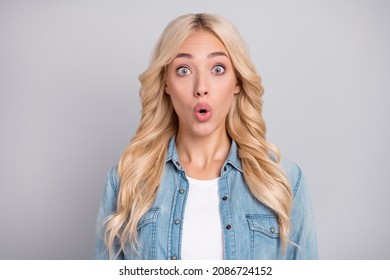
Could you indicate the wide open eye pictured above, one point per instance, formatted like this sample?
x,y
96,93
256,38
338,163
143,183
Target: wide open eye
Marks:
x,y
218,70
183,71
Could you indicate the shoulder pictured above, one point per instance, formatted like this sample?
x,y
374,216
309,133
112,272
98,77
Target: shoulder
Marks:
x,y
303,230
293,172
111,189
113,179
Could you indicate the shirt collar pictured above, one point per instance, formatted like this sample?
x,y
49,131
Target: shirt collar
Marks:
x,y
232,159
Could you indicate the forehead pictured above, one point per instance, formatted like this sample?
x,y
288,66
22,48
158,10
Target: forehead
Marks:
x,y
201,41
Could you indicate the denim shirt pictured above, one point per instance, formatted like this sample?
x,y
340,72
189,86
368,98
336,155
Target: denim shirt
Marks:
x,y
250,229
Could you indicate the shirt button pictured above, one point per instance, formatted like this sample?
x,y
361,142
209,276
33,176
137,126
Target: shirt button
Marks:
x,y
178,163
224,169
228,227
272,229
224,198
177,221
173,258
181,191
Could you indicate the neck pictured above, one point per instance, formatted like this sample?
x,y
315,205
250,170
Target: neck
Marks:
x,y
202,151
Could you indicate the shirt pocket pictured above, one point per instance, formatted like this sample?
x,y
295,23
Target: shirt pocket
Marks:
x,y
149,217
147,230
264,236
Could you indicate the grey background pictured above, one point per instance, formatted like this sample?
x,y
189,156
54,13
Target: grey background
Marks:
x,y
69,105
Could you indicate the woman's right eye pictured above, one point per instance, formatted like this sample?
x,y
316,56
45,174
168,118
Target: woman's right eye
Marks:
x,y
183,71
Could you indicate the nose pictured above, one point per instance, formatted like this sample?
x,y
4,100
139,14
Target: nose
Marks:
x,y
200,93
200,87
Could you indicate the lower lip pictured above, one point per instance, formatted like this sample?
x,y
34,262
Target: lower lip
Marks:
x,y
203,117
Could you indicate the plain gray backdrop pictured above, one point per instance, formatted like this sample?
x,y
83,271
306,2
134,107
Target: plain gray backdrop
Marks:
x,y
69,105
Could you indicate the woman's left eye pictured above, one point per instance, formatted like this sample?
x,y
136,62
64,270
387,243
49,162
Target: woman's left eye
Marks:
x,y
219,69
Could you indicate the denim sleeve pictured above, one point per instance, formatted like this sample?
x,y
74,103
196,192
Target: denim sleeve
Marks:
x,y
108,206
303,229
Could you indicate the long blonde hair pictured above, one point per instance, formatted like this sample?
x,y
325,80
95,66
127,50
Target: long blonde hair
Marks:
x,y
142,163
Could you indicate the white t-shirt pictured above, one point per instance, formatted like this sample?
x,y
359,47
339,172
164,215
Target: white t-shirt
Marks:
x,y
202,232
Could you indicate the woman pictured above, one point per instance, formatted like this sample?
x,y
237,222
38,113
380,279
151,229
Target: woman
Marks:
x,y
199,180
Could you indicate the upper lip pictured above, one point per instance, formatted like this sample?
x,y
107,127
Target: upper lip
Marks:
x,y
202,106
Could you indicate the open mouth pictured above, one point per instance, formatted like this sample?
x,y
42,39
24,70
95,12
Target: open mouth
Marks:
x,y
202,112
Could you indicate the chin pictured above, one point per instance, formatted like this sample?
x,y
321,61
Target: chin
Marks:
x,y
204,130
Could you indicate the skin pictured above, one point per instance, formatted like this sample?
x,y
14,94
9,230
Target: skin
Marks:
x,y
202,73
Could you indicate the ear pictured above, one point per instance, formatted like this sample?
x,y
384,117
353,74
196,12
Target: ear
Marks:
x,y
237,89
166,89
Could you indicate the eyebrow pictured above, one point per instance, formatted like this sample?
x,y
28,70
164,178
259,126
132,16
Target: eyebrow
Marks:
x,y
211,55
214,54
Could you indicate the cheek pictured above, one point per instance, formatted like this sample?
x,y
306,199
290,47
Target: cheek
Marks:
x,y
179,99
228,97
228,103
176,87
228,89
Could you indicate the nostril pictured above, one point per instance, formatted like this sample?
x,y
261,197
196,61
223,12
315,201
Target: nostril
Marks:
x,y
200,94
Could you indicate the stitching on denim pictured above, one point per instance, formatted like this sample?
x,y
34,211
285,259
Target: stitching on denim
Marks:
x,y
171,218
261,228
149,217
252,246
112,181
228,209
153,249
298,181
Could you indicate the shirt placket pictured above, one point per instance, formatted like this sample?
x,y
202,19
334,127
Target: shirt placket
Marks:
x,y
226,217
177,214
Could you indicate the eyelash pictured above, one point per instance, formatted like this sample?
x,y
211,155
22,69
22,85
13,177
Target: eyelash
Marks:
x,y
187,68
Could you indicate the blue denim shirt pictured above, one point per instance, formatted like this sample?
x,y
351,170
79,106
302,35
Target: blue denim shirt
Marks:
x,y
250,229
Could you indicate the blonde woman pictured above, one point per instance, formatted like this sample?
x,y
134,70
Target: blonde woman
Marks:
x,y
199,179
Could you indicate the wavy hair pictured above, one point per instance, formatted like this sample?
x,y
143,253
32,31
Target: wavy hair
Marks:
x,y
142,163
